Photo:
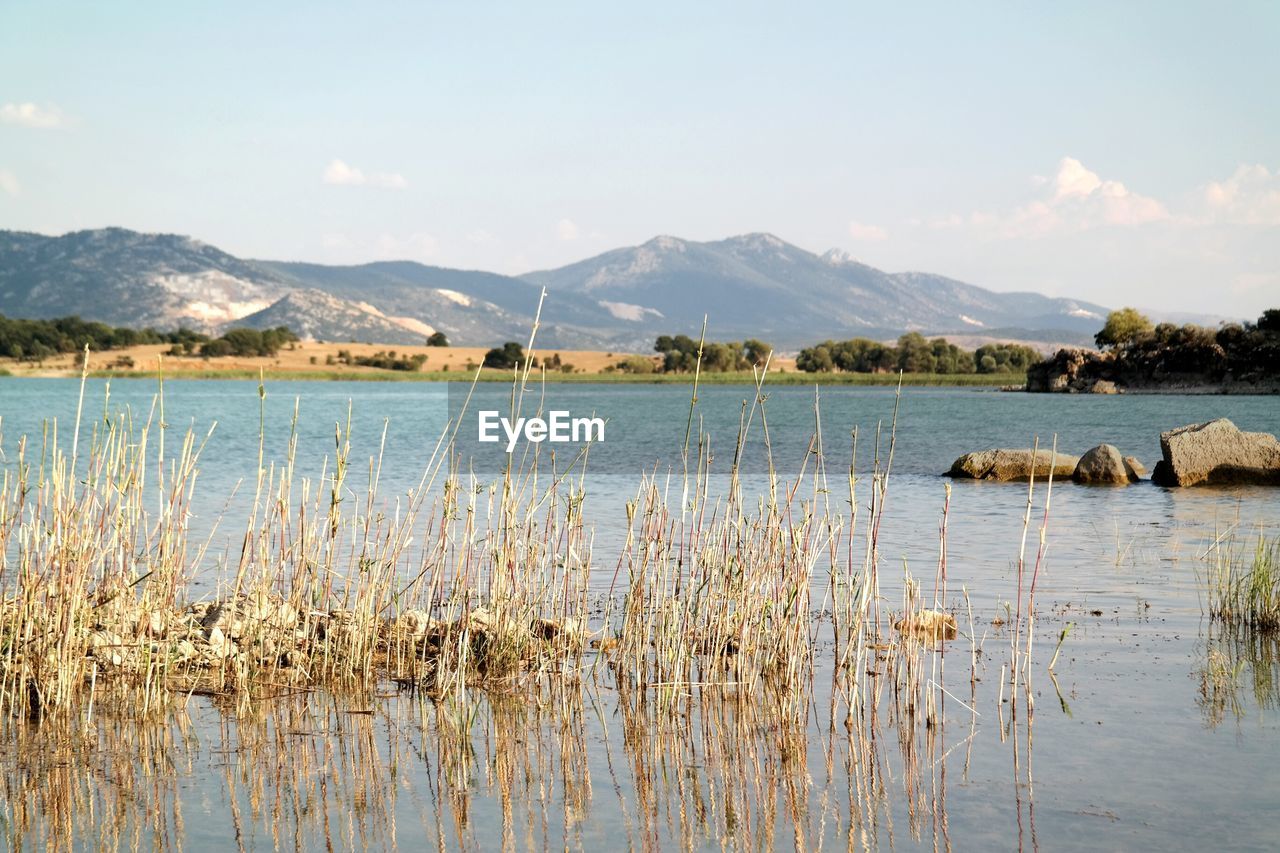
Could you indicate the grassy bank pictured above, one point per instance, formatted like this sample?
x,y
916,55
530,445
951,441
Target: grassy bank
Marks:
x,y
738,378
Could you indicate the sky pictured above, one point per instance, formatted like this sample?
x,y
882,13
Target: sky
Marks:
x,y
1123,153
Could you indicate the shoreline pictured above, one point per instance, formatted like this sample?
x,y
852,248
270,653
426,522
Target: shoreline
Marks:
x,y
995,382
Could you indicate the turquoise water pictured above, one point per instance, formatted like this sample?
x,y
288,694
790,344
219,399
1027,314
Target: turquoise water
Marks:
x,y
1128,750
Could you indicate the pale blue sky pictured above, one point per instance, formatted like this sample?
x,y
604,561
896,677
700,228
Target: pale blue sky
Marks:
x,y
1124,153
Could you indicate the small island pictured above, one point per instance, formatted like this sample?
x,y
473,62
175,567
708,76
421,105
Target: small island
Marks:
x,y
1135,356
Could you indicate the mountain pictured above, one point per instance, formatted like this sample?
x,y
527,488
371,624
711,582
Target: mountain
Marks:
x,y
316,315
469,306
755,285
760,286
126,278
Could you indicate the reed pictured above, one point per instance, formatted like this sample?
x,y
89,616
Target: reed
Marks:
x,y
460,583
1243,583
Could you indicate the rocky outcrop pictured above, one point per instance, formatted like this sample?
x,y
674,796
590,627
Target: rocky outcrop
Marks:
x,y
1011,465
1073,371
1104,466
1135,466
1217,453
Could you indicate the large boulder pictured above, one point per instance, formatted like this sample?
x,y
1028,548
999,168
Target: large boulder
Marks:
x,y
1217,453
1008,465
1103,465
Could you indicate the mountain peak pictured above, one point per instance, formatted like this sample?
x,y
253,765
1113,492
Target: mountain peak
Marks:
x,y
666,243
837,257
757,240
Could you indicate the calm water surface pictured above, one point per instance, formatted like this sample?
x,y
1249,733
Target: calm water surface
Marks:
x,y
1128,748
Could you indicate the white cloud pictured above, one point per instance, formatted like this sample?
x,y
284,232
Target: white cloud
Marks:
x,y
30,115
1074,199
566,229
868,233
9,183
340,174
1084,200
1074,180
1251,196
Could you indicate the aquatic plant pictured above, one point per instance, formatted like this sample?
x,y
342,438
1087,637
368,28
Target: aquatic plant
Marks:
x,y
1243,585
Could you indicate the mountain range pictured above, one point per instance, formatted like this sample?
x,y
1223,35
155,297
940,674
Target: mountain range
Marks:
x,y
754,285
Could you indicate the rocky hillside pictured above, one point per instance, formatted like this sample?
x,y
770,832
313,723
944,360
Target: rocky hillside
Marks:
x,y
760,286
125,278
753,286
316,315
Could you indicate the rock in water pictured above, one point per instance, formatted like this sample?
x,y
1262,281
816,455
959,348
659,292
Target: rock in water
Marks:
x,y
1103,386
1217,453
1135,467
1007,465
1103,465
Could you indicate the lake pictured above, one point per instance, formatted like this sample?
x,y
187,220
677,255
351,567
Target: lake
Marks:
x,y
1155,729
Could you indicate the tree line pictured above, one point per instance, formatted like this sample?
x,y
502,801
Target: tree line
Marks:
x,y
679,354
1137,349
913,353
36,340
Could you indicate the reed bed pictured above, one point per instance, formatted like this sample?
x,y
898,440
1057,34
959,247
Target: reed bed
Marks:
x,y
98,562
469,600
459,583
1243,583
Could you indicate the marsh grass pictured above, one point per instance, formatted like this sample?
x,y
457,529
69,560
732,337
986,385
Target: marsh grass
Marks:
x,y
1242,583
471,598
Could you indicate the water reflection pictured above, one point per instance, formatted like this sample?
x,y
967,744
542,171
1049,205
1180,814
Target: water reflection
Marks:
x,y
1238,673
569,767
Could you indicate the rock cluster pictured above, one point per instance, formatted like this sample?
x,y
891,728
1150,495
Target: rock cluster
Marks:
x,y
1213,453
265,631
1073,371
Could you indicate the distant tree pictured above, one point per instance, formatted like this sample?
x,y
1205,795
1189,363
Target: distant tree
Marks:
x,y
915,354
816,359
1123,328
505,357
216,349
756,351
1269,321
635,364
437,339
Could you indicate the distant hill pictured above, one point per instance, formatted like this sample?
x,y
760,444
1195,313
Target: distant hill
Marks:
x,y
754,285
316,315
126,278
471,307
760,286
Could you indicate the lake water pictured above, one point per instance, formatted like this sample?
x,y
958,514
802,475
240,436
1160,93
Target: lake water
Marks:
x,y
1131,744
